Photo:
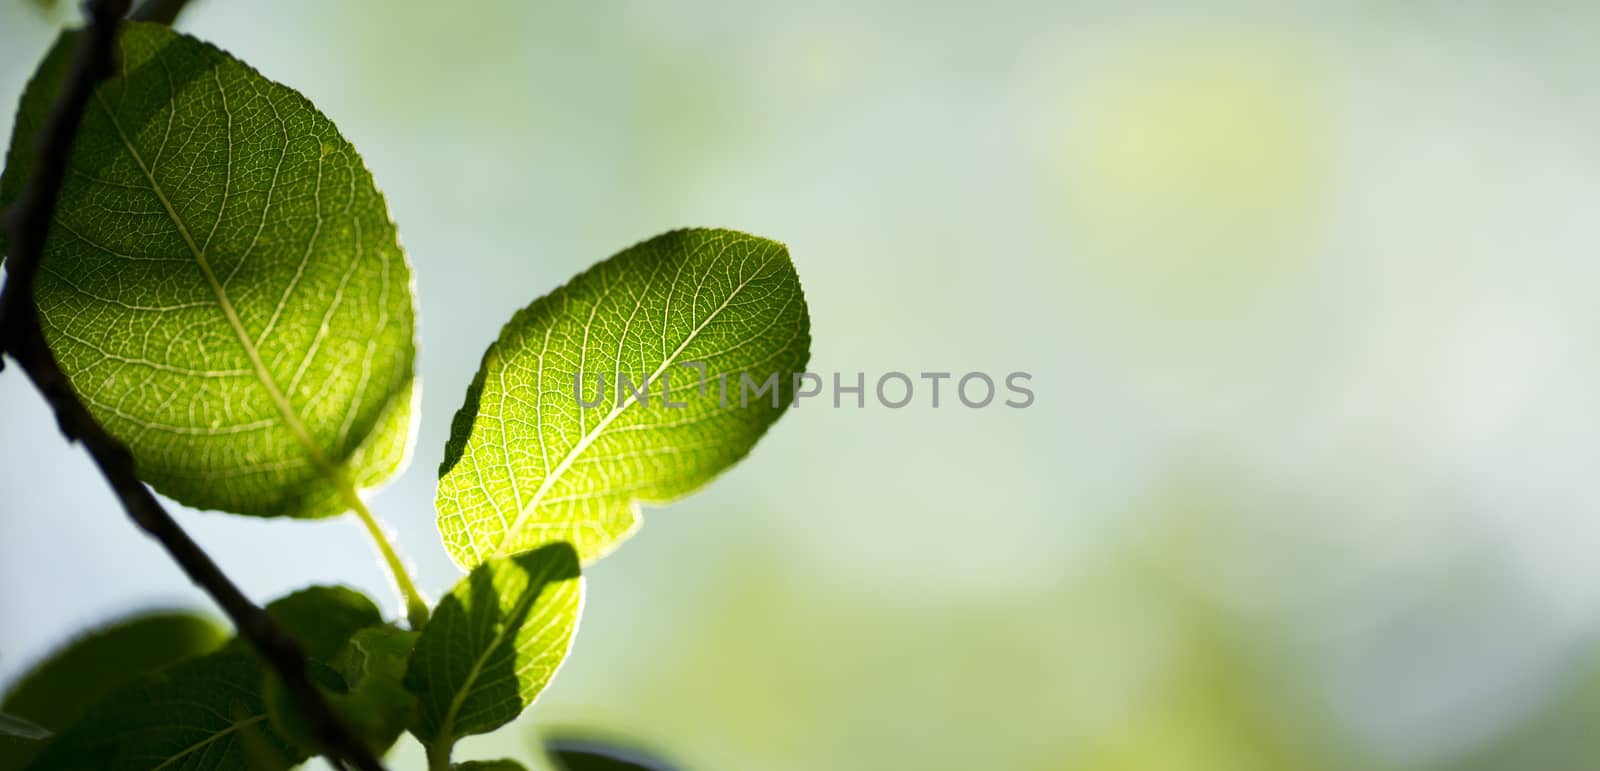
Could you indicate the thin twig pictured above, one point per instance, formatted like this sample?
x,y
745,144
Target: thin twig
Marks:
x,y
21,336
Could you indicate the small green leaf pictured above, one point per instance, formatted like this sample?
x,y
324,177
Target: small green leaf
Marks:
x,y
324,618
365,688
205,713
503,764
494,643
285,716
377,652
222,283
527,464
354,659
58,690
15,727
593,755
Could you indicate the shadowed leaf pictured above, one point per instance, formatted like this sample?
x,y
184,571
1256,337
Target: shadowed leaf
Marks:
x,y
363,685
58,690
323,618
595,755
494,643
205,713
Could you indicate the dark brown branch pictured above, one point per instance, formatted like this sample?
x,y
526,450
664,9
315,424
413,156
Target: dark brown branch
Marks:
x,y
28,221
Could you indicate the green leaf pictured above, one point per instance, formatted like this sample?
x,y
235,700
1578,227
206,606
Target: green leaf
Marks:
x,y
592,755
58,690
344,637
503,764
12,726
282,713
494,643
378,706
222,283
527,465
364,686
324,618
205,713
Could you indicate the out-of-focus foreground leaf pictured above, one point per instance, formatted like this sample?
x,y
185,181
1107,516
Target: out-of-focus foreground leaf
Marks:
x,y
575,754
209,712
57,691
205,713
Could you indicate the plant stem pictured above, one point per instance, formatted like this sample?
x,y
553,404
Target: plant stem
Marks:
x,y
21,337
416,605
439,754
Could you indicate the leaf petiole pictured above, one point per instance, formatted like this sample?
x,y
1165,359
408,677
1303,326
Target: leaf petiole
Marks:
x,y
416,605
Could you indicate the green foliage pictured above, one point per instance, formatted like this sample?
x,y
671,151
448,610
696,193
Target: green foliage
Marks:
x,y
224,289
592,755
503,764
363,685
205,713
58,690
324,618
223,285
378,705
526,464
356,659
494,643
224,710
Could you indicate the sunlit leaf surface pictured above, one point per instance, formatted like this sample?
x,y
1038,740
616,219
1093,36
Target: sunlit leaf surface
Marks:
x,y
222,282
704,317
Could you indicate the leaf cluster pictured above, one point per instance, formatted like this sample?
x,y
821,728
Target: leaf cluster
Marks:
x,y
224,287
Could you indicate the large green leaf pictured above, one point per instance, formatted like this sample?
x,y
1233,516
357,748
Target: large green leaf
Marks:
x,y
527,464
205,713
57,691
222,283
494,643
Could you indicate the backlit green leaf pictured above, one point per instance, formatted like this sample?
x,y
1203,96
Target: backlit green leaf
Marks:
x,y
494,643
58,690
222,283
527,464
503,764
205,713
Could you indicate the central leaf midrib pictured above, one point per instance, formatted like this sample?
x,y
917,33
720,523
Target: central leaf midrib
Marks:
x,y
588,439
291,417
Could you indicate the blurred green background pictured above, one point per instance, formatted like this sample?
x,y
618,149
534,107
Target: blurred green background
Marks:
x,y
1306,290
